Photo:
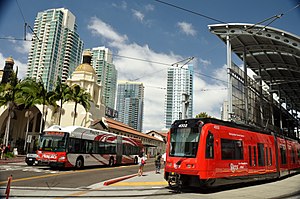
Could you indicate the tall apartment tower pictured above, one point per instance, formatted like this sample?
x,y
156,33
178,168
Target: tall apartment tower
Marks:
x,y
56,47
179,82
130,104
102,62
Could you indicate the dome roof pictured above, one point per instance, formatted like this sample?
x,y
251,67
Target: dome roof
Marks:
x,y
10,60
85,68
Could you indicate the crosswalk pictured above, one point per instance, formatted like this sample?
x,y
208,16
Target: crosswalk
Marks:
x,y
23,167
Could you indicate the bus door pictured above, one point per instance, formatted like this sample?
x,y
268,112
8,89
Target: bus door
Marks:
x,y
119,150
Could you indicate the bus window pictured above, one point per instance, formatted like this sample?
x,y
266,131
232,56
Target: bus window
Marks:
x,y
101,147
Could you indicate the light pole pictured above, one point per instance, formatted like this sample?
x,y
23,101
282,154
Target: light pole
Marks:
x,y
7,129
28,114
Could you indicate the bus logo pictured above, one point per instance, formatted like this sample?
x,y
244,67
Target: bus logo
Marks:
x,y
182,125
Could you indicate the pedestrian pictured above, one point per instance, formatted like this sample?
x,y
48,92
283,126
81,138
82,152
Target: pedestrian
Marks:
x,y
1,150
157,163
6,149
164,156
141,161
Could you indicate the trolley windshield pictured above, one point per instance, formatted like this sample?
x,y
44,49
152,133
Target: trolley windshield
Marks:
x,y
184,142
53,141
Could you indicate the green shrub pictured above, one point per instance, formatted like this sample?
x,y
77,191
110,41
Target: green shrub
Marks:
x,y
9,155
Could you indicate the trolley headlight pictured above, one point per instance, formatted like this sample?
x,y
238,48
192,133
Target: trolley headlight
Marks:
x,y
190,166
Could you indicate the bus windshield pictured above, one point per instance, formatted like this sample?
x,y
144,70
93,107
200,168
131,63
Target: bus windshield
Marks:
x,y
184,142
53,141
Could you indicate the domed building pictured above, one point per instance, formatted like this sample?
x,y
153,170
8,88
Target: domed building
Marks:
x,y
84,76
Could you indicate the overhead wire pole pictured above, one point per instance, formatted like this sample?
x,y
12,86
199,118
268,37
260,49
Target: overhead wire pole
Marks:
x,y
229,70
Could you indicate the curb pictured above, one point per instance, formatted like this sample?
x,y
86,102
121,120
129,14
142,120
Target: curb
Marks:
x,y
112,181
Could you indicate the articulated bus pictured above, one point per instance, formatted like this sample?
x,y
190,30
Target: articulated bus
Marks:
x,y
75,146
206,152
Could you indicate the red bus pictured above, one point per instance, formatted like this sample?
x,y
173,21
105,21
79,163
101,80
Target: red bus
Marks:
x,y
206,152
75,146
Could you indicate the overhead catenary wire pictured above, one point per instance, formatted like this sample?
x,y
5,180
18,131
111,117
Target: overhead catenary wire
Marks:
x,y
190,11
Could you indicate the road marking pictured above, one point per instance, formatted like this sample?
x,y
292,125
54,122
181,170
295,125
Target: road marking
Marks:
x,y
161,183
56,174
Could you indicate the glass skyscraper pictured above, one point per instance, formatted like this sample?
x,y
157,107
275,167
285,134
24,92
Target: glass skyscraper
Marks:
x,y
130,104
102,62
56,47
179,82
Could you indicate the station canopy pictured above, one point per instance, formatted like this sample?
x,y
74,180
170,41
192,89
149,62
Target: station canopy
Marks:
x,y
273,54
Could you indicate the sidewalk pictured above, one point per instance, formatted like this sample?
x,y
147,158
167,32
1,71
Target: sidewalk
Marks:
x,y
18,158
284,188
152,185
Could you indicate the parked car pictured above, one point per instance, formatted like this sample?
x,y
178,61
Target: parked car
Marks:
x,y
31,158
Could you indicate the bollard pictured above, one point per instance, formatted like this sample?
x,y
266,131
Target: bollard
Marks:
x,y
8,186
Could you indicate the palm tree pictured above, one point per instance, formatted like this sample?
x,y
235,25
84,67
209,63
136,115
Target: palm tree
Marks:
x,y
80,96
63,94
28,96
48,99
7,97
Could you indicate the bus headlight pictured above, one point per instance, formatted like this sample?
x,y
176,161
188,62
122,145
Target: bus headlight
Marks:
x,y
62,158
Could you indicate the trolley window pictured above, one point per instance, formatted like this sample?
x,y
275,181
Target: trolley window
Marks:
x,y
254,151
261,158
283,155
250,156
270,156
209,152
232,149
184,142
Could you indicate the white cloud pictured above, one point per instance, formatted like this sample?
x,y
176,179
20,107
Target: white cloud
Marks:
x,y
98,27
154,77
205,62
149,7
187,28
122,5
24,46
22,67
138,15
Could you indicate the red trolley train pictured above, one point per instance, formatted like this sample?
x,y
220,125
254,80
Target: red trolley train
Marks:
x,y
206,152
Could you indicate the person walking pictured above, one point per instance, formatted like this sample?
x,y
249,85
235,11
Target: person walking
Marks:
x,y
6,150
2,150
141,161
157,163
164,156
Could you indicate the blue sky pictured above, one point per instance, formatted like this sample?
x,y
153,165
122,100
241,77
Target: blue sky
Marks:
x,y
153,31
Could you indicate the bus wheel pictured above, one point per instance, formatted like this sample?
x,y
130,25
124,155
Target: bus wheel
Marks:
x,y
111,162
79,163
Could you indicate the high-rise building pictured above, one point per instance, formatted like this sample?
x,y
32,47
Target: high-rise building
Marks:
x,y
179,85
107,74
130,104
56,47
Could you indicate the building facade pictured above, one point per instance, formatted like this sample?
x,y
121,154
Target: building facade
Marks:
x,y
56,47
130,104
102,62
179,84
